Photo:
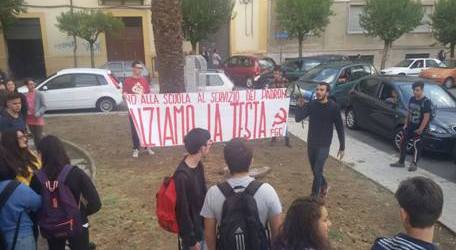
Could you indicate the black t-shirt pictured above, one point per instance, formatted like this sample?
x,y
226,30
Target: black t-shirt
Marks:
x,y
417,109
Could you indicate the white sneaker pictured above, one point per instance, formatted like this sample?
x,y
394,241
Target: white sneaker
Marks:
x,y
135,153
150,152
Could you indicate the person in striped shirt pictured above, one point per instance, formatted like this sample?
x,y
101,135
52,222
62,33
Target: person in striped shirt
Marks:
x,y
421,202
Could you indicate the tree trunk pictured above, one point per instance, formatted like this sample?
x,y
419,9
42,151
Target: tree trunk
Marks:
x,y
452,47
194,45
300,40
167,23
92,56
386,49
75,48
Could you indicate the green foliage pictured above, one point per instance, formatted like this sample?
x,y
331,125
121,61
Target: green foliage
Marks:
x,y
70,23
204,17
301,17
93,23
9,9
444,23
390,19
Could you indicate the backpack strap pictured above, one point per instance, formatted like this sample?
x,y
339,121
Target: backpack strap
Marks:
x,y
253,187
7,192
42,176
64,173
16,231
226,189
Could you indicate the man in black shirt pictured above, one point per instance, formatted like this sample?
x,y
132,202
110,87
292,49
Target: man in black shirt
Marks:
x,y
323,114
191,189
419,115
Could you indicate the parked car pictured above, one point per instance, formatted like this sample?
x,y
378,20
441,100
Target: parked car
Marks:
x,y
81,88
245,70
215,81
372,108
341,76
123,70
293,68
444,76
413,67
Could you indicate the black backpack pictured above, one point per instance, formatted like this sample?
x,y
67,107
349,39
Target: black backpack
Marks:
x,y
4,196
241,228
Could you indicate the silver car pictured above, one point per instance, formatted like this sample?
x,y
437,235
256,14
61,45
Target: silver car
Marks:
x,y
123,69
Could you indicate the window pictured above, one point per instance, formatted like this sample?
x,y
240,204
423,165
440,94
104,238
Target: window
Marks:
x,y
60,82
214,80
412,56
362,59
425,26
358,72
122,2
85,80
115,67
233,61
418,64
354,26
102,80
245,61
369,86
432,64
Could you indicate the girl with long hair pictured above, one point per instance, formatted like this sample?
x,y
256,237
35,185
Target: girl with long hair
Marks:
x,y
305,227
15,143
55,160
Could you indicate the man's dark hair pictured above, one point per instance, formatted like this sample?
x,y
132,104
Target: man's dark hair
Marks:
x,y
195,139
328,87
418,84
136,62
27,80
13,96
422,199
238,155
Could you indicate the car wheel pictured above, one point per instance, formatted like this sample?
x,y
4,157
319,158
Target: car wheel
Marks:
x,y
350,119
401,74
449,83
398,134
249,83
106,104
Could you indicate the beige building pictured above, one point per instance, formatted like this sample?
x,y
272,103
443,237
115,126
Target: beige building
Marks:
x,y
345,36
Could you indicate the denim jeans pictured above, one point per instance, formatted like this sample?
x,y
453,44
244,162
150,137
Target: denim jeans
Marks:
x,y
25,243
134,134
317,159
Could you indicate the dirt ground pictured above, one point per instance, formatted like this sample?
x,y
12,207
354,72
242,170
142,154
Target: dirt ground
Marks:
x,y
360,210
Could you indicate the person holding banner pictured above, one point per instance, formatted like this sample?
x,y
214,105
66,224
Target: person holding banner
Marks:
x,y
323,115
136,85
279,82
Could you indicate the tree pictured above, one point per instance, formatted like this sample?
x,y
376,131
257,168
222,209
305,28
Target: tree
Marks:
x,y
70,24
204,17
444,23
93,23
390,19
9,9
167,23
303,17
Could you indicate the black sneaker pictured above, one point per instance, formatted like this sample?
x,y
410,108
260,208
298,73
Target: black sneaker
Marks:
x,y
397,165
413,167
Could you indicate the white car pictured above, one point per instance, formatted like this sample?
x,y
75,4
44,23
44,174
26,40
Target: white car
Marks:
x,y
413,66
215,81
81,88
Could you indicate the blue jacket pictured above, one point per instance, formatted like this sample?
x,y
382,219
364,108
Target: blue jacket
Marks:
x,y
23,200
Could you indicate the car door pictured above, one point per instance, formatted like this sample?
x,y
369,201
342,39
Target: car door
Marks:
x,y
416,68
385,112
57,92
87,89
363,99
231,68
352,75
213,82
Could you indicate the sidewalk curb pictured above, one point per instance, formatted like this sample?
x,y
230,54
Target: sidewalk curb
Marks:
x,y
86,154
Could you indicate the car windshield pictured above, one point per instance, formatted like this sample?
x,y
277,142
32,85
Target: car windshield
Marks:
x,y
321,74
439,97
265,64
405,64
442,65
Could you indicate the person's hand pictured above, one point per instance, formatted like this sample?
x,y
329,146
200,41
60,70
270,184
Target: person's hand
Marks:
x,y
419,131
197,246
301,102
340,155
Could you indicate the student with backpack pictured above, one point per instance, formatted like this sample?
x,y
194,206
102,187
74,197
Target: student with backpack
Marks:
x,y
420,113
190,183
17,202
306,226
239,212
68,196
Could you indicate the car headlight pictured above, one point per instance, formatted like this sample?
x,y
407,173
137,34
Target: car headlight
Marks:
x,y
437,130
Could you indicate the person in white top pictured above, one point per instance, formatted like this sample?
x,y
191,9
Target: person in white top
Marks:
x,y
216,59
